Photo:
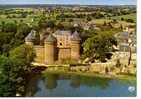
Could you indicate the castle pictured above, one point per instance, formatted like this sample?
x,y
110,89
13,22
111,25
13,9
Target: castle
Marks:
x,y
55,47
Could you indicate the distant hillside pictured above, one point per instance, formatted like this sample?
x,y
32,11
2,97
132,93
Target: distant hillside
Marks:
x,y
54,5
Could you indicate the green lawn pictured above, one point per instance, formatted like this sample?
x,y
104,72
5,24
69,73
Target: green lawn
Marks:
x,y
28,19
129,16
124,23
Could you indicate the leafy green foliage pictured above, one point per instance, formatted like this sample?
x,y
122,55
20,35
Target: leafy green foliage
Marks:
x,y
10,27
25,54
42,22
5,40
98,45
22,57
12,35
22,31
89,18
14,70
7,85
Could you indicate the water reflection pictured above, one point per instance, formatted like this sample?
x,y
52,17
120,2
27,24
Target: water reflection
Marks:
x,y
51,81
72,85
75,81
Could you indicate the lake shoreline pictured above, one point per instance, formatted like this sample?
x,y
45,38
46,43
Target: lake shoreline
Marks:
x,y
92,74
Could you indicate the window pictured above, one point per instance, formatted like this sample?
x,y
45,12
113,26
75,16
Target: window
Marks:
x,y
61,44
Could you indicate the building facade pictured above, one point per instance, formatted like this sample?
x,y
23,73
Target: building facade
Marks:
x,y
55,47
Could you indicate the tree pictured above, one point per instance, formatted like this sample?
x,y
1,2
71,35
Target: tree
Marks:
x,y
70,20
51,23
42,22
10,27
22,30
7,85
114,21
130,20
5,40
97,46
60,26
23,15
2,26
22,57
105,23
121,26
14,70
89,18
122,19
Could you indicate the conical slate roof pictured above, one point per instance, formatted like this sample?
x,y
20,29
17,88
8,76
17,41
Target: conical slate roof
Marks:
x,y
31,36
50,38
75,36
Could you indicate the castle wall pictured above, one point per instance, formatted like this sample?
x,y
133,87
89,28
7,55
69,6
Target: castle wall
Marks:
x,y
64,53
39,54
49,53
54,51
75,50
63,41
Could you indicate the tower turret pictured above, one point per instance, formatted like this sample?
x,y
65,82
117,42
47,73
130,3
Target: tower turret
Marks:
x,y
75,45
30,37
50,45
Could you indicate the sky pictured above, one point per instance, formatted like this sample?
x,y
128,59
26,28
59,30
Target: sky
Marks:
x,y
81,2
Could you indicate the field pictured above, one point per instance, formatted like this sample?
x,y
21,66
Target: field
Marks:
x,y
129,16
36,13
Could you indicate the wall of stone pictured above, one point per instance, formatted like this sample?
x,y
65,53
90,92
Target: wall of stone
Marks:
x,y
49,53
64,53
75,49
39,54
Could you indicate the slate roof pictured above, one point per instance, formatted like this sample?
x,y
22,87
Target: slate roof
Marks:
x,y
31,36
75,36
63,32
124,34
50,38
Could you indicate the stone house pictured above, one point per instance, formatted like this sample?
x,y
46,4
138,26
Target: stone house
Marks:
x,y
124,39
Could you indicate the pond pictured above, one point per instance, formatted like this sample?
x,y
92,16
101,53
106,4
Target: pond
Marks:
x,y
63,85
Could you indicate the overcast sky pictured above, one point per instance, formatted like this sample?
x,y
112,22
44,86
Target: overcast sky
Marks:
x,y
82,2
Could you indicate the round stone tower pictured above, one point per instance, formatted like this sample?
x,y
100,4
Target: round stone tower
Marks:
x,y
50,46
75,46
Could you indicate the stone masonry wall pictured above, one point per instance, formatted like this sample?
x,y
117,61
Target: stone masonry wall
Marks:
x,y
64,53
39,54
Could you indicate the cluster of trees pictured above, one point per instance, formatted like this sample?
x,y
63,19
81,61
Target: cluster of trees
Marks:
x,y
99,46
22,15
127,20
15,58
14,70
45,23
12,34
13,11
97,13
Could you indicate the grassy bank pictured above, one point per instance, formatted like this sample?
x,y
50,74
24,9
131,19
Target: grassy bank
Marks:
x,y
91,74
